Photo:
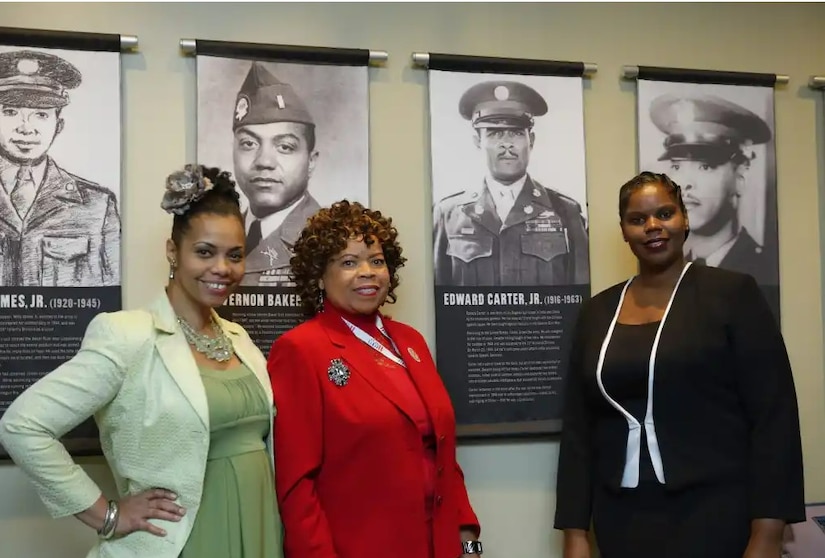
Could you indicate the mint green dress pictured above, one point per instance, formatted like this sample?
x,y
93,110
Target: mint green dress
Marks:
x,y
238,516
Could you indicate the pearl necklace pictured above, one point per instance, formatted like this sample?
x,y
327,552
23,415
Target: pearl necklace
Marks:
x,y
217,348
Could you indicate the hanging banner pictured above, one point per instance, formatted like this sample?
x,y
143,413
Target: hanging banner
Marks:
x,y
510,241
60,130
716,140
295,137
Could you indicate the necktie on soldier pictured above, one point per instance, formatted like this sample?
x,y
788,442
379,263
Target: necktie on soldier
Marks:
x,y
253,238
507,199
24,191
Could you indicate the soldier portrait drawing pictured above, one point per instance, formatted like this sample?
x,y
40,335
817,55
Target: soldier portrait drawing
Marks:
x,y
57,229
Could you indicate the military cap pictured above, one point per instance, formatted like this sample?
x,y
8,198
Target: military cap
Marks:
x,y
36,79
501,104
705,128
263,100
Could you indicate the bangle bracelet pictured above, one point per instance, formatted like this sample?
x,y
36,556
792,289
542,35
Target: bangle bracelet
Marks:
x,y
115,516
107,518
109,521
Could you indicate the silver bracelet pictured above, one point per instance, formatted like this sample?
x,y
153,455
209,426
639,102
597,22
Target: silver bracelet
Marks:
x,y
107,530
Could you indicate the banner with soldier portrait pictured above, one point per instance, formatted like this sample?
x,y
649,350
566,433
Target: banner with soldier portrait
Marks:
x,y
60,193
716,141
295,138
510,243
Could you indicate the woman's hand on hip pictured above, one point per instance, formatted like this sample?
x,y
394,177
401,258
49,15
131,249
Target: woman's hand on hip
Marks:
x,y
135,511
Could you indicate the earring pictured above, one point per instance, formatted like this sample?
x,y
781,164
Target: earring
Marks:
x,y
172,265
321,300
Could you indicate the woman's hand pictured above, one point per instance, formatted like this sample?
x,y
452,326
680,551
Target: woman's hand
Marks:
x,y
576,544
156,503
134,512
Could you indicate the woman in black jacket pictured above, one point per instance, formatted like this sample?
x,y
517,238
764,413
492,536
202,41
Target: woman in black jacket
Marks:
x,y
681,429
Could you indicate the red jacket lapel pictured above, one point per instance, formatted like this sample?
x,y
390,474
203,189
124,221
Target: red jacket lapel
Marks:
x,y
419,363
360,360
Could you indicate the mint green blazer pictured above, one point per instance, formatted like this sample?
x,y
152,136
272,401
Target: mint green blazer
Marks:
x,y
136,374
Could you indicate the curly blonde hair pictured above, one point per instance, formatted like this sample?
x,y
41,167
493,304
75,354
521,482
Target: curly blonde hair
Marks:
x,y
326,235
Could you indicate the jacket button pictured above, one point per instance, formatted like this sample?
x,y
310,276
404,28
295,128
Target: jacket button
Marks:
x,y
440,470
438,500
442,438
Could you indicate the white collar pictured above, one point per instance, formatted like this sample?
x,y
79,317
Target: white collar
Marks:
x,y
716,257
499,190
9,170
270,223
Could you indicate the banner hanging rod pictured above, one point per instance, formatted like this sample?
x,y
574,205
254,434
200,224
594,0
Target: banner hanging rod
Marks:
x,y
816,82
69,40
632,72
422,60
128,42
190,47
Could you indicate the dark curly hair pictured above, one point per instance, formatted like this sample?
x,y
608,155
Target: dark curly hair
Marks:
x,y
643,179
327,233
221,199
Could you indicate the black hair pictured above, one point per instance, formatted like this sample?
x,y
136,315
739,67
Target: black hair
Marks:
x,y
327,233
643,179
221,199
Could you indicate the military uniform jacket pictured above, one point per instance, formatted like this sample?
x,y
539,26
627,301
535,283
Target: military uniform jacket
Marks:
x,y
69,238
543,241
267,265
746,256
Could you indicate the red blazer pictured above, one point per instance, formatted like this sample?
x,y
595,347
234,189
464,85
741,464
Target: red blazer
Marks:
x,y
348,460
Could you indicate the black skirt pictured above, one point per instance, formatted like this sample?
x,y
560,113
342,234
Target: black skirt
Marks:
x,y
710,521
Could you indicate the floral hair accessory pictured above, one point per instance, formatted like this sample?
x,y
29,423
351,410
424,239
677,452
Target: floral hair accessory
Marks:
x,y
183,188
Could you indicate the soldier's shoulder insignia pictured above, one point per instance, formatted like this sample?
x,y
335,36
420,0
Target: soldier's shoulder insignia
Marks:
x,y
84,182
454,195
458,198
566,199
89,186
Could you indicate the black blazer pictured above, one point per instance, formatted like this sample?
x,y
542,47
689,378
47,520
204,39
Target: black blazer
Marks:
x,y
724,402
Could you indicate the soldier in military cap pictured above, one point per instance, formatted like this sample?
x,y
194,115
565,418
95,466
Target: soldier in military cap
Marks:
x,y
274,154
708,141
511,230
56,229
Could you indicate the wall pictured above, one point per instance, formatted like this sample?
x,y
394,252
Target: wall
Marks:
x,y
510,483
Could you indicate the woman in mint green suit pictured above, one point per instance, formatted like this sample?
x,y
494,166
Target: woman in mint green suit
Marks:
x,y
182,401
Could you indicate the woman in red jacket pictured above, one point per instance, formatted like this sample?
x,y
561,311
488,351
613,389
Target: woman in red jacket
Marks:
x,y
365,451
